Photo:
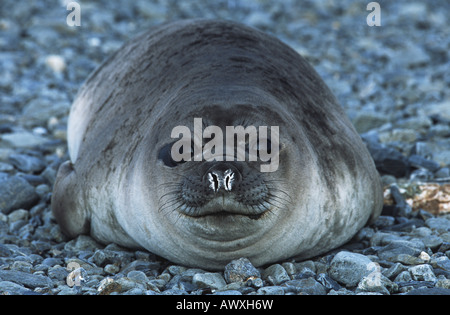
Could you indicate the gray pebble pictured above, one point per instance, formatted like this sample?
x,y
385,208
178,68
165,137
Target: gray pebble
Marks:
x,y
422,273
240,270
28,280
270,290
275,274
209,280
349,268
439,224
27,163
16,193
304,286
12,288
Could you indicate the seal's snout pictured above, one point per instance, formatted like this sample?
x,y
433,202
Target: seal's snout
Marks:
x,y
222,176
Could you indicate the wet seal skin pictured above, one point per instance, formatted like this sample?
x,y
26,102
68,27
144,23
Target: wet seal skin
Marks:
x,y
123,185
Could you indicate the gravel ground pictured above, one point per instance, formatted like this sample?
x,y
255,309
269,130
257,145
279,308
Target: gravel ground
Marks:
x,y
392,80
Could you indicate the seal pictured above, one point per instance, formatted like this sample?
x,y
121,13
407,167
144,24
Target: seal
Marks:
x,y
124,185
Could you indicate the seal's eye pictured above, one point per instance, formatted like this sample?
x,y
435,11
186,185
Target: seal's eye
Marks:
x,y
166,156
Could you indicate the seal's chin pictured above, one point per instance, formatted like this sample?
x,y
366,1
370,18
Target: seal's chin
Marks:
x,y
223,207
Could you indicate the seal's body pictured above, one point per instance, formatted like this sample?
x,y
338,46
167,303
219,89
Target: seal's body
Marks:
x,y
122,184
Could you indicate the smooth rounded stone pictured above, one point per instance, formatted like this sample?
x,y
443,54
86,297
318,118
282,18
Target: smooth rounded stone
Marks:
x,y
270,290
37,112
365,121
51,261
432,241
349,268
305,273
275,274
137,276
290,268
165,276
23,139
438,224
404,276
5,251
442,263
393,251
6,167
214,281
16,193
17,215
58,273
419,161
378,283
124,258
388,160
26,279
27,163
394,270
384,221
11,288
42,190
422,273
398,135
304,286
111,269
177,270
305,264
129,284
22,266
443,283
240,270
178,282
328,283
82,243
441,173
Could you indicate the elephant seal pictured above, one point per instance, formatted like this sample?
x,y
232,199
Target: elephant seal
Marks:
x,y
123,185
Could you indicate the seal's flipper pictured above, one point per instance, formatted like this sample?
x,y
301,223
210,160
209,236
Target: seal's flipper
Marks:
x,y
71,216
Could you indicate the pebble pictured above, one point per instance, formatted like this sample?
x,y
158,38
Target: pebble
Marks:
x,y
26,163
275,274
26,279
422,273
349,268
209,280
16,193
396,99
240,270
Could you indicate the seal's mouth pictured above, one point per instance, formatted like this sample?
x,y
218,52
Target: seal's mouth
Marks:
x,y
225,214
222,207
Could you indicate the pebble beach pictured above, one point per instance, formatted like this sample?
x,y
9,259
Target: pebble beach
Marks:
x,y
392,80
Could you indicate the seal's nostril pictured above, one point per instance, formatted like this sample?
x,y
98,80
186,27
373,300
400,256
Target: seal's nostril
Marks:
x,y
228,179
214,180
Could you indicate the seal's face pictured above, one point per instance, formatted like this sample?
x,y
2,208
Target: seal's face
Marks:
x,y
224,207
